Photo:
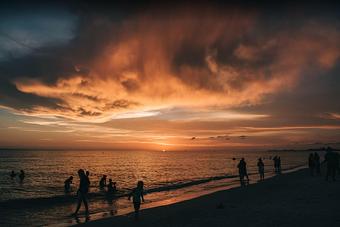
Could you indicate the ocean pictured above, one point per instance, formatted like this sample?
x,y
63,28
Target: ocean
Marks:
x,y
169,177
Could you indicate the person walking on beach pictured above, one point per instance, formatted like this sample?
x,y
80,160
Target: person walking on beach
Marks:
x,y
242,169
137,197
67,184
82,191
311,164
21,176
317,163
260,166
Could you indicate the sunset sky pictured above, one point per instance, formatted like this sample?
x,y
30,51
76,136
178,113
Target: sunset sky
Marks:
x,y
169,76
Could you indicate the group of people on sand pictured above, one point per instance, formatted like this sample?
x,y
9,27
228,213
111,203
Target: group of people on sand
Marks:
x,y
331,161
84,183
314,164
243,174
21,175
277,164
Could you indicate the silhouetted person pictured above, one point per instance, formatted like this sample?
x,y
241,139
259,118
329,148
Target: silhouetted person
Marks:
x,y
137,197
111,187
240,173
102,182
67,184
242,169
12,174
22,175
336,154
279,165
275,164
260,166
82,191
332,161
311,164
317,163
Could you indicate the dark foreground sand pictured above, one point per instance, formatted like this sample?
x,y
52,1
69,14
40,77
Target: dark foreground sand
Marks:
x,y
293,199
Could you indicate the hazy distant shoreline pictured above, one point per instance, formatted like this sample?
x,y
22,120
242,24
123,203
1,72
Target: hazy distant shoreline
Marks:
x,y
302,150
201,149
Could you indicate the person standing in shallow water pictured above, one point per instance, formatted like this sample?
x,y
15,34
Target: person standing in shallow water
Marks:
x,y
260,166
110,187
13,174
242,169
240,173
82,191
21,176
67,184
102,182
137,197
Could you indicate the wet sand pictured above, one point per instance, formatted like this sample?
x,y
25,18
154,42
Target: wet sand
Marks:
x,y
293,199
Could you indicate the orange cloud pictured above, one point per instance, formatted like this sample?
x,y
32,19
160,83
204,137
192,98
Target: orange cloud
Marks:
x,y
191,59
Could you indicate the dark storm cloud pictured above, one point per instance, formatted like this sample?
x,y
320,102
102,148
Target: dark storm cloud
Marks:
x,y
312,101
11,97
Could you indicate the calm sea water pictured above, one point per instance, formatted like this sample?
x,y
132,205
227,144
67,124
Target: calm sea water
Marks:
x,y
168,177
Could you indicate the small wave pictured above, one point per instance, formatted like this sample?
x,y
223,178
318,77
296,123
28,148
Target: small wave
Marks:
x,y
71,198
179,185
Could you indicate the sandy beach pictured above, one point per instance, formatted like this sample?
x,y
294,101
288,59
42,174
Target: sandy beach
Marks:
x,y
293,199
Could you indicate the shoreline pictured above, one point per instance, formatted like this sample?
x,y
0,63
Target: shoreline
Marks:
x,y
44,214
275,193
231,183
